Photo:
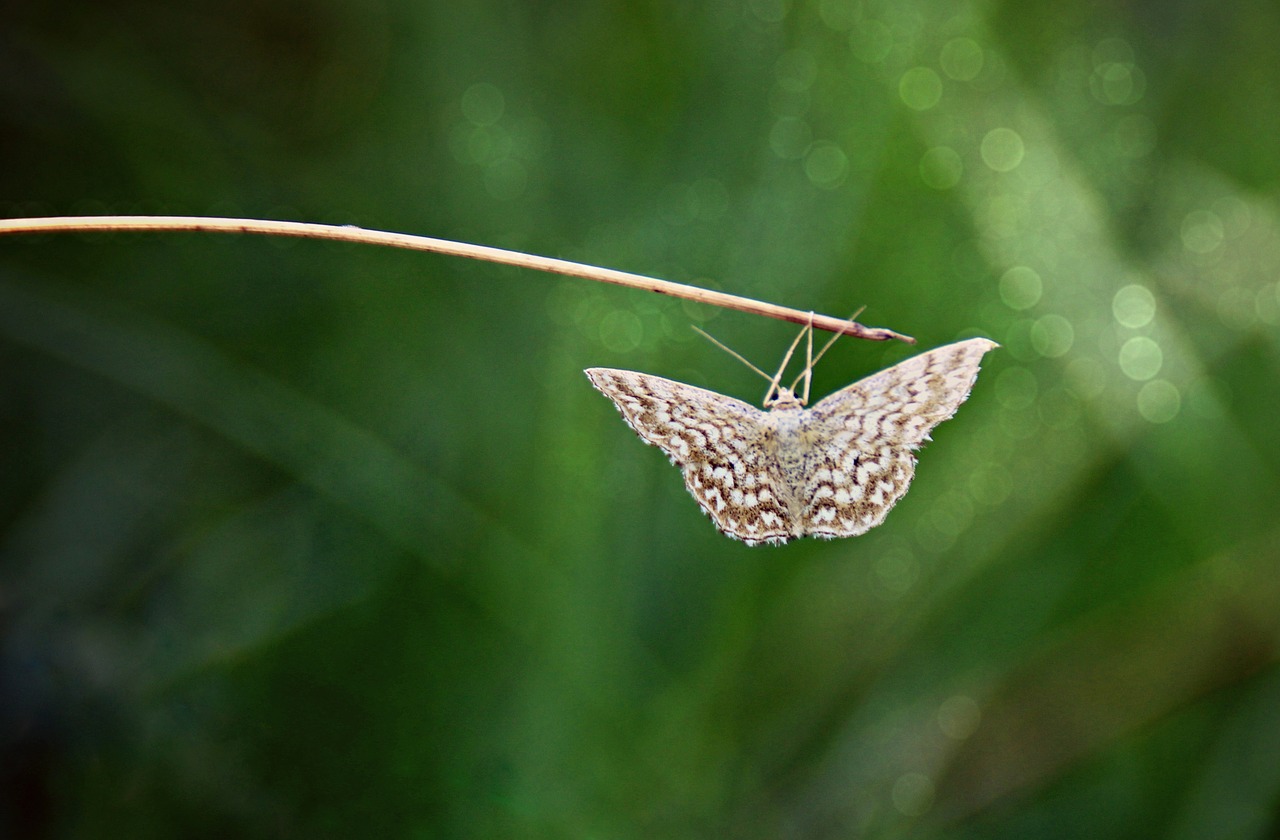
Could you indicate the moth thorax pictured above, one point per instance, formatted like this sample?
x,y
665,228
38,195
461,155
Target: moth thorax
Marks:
x,y
790,440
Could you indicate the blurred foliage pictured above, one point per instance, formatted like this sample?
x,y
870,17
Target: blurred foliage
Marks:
x,y
303,540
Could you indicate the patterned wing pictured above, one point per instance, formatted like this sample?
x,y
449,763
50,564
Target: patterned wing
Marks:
x,y
717,442
866,433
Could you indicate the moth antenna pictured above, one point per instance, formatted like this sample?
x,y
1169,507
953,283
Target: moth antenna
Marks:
x,y
709,337
808,371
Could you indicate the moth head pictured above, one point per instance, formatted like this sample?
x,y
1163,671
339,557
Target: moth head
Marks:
x,y
779,397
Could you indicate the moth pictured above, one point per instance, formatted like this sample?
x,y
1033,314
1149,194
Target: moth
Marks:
x,y
772,475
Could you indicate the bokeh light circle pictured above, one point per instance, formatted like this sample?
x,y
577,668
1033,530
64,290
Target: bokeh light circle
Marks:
x,y
1021,287
1141,358
941,168
1159,401
920,88
1002,149
1133,306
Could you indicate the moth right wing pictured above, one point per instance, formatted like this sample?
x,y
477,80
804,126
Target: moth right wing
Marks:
x,y
721,444
868,433
903,403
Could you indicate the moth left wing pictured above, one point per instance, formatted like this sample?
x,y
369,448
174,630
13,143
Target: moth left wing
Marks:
x,y
718,443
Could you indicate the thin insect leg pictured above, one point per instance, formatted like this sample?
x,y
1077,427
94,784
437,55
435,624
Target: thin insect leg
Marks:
x,y
823,352
775,382
836,336
808,364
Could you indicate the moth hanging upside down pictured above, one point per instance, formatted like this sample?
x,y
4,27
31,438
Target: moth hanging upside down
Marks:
x,y
833,470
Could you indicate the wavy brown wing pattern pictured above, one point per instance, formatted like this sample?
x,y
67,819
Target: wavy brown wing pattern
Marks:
x,y
865,436
719,443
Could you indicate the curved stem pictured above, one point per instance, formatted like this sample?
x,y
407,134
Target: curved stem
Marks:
x,y
351,233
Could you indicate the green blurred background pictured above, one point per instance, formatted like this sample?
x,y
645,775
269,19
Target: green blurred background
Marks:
x,y
312,540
